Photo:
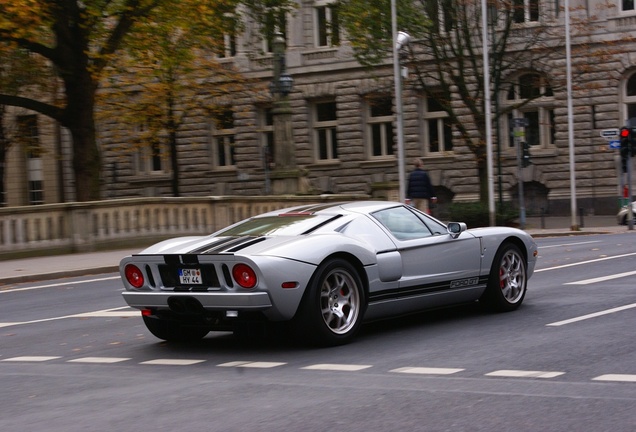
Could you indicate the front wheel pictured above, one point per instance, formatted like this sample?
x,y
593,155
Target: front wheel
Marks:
x,y
333,307
508,280
173,331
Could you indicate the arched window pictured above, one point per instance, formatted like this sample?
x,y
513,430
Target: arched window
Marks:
x,y
531,99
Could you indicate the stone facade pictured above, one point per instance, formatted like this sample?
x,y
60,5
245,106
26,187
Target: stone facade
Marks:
x,y
330,74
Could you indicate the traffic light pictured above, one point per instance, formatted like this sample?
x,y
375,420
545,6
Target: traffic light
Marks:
x,y
627,146
525,158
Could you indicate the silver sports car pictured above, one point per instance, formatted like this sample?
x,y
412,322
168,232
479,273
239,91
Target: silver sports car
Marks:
x,y
325,269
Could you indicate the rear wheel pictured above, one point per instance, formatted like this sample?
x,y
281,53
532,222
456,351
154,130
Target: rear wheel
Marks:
x,y
333,307
508,280
174,331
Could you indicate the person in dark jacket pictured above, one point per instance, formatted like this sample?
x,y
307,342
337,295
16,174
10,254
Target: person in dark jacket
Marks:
x,y
420,191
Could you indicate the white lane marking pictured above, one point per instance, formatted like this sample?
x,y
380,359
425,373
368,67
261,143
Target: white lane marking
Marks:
x,y
592,315
616,378
233,364
261,365
107,360
250,364
524,374
172,362
427,370
569,244
31,359
584,262
601,279
103,313
337,367
55,285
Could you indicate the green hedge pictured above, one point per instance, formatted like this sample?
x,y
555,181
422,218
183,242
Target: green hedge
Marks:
x,y
477,214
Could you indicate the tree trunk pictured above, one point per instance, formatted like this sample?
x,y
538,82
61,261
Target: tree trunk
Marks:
x,y
79,120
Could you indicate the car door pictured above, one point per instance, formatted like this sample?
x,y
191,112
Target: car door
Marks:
x,y
434,263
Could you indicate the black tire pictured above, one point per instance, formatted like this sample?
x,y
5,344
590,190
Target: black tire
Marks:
x,y
173,331
332,309
508,280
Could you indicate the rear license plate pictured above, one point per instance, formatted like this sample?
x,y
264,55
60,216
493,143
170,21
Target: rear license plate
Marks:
x,y
190,276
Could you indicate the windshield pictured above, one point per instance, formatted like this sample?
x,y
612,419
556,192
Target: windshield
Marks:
x,y
284,225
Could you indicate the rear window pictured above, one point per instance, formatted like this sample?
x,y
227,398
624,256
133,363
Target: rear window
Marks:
x,y
283,225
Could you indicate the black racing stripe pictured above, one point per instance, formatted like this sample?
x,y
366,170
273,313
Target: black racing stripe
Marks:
x,y
394,294
230,246
213,244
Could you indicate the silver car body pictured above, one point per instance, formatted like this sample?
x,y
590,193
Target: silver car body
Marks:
x,y
402,271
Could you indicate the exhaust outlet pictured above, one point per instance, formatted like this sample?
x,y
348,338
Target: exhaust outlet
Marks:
x,y
185,305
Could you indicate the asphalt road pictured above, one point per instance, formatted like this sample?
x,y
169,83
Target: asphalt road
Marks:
x,y
73,357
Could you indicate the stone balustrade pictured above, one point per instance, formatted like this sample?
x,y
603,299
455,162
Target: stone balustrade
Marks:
x,y
80,227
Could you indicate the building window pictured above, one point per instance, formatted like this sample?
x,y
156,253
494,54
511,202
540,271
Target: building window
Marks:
x,y
223,149
525,11
326,25
438,132
325,122
30,137
629,98
531,97
274,21
443,15
380,127
628,5
227,47
149,158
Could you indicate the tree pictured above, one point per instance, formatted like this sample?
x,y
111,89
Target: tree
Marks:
x,y
445,55
171,73
17,76
78,39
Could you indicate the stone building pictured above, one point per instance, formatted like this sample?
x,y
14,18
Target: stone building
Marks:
x,y
343,124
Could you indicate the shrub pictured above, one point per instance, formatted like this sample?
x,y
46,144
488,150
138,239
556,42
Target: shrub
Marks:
x,y
477,214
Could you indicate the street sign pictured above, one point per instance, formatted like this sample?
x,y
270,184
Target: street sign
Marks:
x,y
615,144
521,122
609,133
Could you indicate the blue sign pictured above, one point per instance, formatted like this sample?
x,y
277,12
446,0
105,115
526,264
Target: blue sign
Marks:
x,y
615,144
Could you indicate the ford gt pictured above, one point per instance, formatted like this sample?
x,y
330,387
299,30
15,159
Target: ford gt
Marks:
x,y
324,269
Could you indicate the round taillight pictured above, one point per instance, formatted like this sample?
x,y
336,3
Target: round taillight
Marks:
x,y
134,276
244,275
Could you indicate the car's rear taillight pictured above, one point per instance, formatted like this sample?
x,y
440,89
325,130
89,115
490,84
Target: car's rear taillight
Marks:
x,y
134,276
244,275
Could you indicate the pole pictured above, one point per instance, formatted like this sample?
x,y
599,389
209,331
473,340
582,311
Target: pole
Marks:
x,y
487,111
574,226
398,106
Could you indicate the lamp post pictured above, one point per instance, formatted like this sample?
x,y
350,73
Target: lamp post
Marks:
x,y
280,87
400,40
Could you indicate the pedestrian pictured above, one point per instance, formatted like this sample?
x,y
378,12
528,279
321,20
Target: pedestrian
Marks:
x,y
420,191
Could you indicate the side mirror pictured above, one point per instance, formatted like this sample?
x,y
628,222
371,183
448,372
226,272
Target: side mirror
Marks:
x,y
456,228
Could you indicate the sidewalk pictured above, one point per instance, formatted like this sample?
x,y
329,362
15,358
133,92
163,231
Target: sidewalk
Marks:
x,y
82,264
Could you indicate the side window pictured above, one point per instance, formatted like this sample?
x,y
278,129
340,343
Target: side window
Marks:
x,y
403,223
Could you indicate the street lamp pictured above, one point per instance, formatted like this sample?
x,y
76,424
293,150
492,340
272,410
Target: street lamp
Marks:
x,y
283,83
400,40
281,87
